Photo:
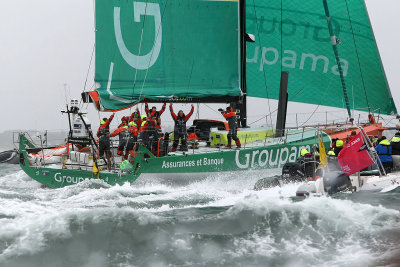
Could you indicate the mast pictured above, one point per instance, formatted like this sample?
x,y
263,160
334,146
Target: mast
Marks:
x,y
335,42
243,85
282,105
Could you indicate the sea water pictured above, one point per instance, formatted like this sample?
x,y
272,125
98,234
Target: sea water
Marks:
x,y
219,221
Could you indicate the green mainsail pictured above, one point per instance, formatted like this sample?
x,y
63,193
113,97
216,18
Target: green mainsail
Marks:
x,y
302,43
166,49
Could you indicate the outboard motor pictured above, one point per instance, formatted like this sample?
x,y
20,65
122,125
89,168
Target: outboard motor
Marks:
x,y
335,182
309,166
292,172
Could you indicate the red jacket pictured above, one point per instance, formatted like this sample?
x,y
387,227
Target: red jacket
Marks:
x,y
152,114
187,117
133,130
124,121
105,125
228,115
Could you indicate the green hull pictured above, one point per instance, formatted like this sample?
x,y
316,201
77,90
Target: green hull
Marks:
x,y
56,178
260,158
189,166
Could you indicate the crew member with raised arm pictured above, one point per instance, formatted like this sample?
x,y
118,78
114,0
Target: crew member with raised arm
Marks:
x,y
154,114
180,130
134,116
103,133
230,116
153,111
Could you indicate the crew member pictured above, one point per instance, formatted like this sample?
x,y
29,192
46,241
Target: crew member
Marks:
x,y
133,128
149,132
380,139
153,111
154,114
127,137
333,144
338,147
307,162
375,141
134,116
316,152
230,116
124,121
333,163
180,130
103,133
141,122
396,144
384,150
352,136
158,123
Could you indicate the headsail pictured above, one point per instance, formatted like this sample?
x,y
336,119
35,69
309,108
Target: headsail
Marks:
x,y
305,49
166,49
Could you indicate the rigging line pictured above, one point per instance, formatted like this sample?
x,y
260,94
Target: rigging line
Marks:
x,y
277,109
310,116
358,56
259,43
140,48
152,51
387,123
263,117
91,57
90,64
211,108
298,92
329,85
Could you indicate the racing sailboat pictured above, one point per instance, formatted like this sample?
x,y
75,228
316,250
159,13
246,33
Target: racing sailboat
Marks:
x,y
195,51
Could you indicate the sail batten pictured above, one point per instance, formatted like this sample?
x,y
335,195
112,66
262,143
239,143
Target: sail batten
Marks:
x,y
307,54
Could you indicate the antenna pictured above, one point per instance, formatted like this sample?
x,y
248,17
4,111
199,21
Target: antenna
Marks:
x,y
65,93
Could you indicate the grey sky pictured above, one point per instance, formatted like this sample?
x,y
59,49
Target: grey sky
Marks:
x,y
47,43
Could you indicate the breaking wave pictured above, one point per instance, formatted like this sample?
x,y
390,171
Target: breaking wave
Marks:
x,y
217,221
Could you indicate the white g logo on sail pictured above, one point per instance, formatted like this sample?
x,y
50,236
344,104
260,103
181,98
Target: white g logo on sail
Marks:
x,y
140,62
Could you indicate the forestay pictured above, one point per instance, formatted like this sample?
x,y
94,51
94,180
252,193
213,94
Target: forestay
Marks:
x,y
166,49
303,44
